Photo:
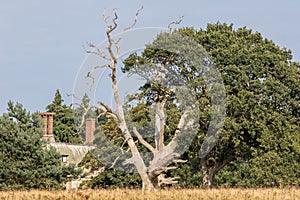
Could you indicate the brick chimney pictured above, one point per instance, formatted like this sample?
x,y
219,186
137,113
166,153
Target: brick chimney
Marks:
x,y
48,126
89,130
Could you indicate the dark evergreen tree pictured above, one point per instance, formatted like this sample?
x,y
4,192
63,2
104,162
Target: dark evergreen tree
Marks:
x,y
64,128
26,160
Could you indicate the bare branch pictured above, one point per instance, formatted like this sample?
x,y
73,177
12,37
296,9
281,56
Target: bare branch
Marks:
x,y
102,66
97,51
117,46
162,158
114,163
90,73
86,110
104,110
111,41
175,22
106,18
111,28
129,161
142,141
165,169
121,148
95,173
108,109
162,180
135,20
180,161
116,43
74,96
167,154
182,121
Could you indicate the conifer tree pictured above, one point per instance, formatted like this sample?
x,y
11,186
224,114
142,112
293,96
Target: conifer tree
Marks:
x,y
26,161
64,128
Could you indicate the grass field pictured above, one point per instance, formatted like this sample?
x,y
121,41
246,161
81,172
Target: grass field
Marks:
x,y
184,194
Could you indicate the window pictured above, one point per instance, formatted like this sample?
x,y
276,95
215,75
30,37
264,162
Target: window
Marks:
x,y
64,158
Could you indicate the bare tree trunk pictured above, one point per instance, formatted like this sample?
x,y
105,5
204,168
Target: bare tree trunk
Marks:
x,y
210,172
146,182
163,155
159,125
136,158
207,179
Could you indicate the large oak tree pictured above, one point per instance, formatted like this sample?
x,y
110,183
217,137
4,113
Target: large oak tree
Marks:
x,y
262,89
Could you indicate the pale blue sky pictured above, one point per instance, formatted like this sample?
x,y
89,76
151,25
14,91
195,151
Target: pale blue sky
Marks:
x,y
41,41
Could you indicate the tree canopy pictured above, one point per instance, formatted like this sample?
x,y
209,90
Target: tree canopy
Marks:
x,y
26,160
262,109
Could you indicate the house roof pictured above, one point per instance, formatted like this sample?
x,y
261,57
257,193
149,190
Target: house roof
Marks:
x,y
75,152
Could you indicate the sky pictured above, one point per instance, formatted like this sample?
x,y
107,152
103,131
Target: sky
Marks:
x,y
41,41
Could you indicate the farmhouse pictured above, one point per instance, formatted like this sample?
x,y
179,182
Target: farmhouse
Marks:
x,y
71,153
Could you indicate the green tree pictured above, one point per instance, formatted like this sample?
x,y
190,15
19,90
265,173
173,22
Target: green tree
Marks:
x,y
26,160
64,128
274,164
262,87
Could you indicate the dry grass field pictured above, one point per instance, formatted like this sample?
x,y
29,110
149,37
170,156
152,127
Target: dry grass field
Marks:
x,y
182,194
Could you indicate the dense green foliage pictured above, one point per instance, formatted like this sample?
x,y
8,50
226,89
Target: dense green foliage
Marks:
x,y
262,128
64,128
114,178
110,178
260,137
26,161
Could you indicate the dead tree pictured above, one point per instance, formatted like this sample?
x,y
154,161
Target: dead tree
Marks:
x,y
152,174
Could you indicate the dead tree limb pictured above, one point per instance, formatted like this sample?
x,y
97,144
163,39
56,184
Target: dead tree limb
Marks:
x,y
163,155
142,141
175,22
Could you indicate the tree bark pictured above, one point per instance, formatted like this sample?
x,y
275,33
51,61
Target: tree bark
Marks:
x,y
136,158
208,178
209,173
159,125
146,182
